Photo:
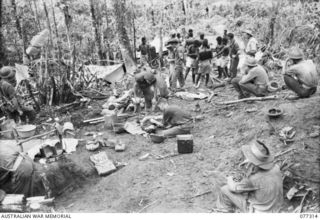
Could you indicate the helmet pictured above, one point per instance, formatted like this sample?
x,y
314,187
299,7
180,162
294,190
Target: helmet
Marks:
x,y
7,72
295,53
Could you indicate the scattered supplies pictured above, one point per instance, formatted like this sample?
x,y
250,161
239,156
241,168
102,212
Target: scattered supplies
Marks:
x,y
197,108
134,128
69,145
38,203
315,131
144,157
120,147
185,143
157,138
92,145
103,165
12,203
292,192
251,109
287,134
275,112
191,96
111,142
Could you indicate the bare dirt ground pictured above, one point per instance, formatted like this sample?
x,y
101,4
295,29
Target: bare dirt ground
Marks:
x,y
189,182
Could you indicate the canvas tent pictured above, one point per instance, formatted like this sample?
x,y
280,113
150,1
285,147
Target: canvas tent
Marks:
x,y
112,74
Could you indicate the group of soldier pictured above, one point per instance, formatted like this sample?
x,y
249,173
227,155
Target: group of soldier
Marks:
x,y
260,189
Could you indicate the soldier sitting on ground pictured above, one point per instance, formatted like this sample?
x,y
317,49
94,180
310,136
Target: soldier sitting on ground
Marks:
x,y
260,189
301,77
255,80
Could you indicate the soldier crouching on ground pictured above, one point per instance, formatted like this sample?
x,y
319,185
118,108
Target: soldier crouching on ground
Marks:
x,y
146,84
301,77
175,120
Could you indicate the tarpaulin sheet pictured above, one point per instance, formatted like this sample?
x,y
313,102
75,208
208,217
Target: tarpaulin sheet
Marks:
x,y
21,72
111,74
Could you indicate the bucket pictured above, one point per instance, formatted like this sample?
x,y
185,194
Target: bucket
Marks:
x,y
26,131
110,119
157,138
275,112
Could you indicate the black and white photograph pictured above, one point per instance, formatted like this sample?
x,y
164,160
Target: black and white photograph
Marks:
x,y
159,106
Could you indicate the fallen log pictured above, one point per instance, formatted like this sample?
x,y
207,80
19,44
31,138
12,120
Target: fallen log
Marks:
x,y
248,99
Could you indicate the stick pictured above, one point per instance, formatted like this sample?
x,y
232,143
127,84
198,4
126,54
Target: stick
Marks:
x,y
36,136
101,93
248,99
284,152
298,177
214,78
93,119
96,122
160,157
150,204
304,197
210,97
201,194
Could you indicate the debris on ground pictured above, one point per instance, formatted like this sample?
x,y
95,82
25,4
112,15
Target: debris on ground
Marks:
x,y
191,96
287,134
120,147
315,131
251,109
102,163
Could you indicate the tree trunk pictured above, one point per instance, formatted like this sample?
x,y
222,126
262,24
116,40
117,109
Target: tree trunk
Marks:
x,y
134,33
108,56
119,13
161,39
56,32
37,15
274,15
3,58
96,27
19,28
48,23
67,22
183,7
35,18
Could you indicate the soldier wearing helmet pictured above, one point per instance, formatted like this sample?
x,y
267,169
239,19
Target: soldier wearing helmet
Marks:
x,y
9,103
